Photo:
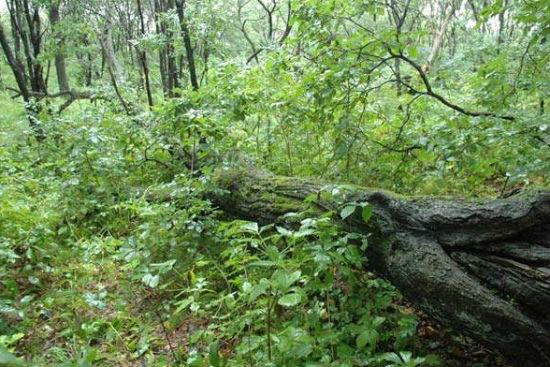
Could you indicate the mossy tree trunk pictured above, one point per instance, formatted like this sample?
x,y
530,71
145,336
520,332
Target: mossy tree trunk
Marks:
x,y
480,267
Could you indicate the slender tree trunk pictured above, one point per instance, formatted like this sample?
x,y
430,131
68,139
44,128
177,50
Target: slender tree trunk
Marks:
x,y
23,35
15,65
111,62
61,71
501,24
32,15
123,102
173,72
14,28
398,18
173,75
26,28
161,54
480,267
19,75
87,62
180,4
168,65
106,40
205,57
439,37
144,57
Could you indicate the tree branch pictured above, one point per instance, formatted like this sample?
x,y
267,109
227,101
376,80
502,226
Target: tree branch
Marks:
x,y
430,92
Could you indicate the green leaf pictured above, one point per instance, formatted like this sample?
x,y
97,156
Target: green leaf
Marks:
x,y
259,289
353,255
347,211
282,279
182,305
367,213
247,287
88,358
213,354
369,336
283,231
151,280
251,227
265,263
7,359
273,253
289,300
165,267
364,244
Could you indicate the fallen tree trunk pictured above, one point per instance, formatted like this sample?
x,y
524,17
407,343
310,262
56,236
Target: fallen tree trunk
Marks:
x,y
479,267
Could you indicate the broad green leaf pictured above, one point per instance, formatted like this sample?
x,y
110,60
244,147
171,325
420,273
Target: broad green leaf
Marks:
x,y
151,280
353,255
88,358
213,354
7,359
184,304
367,213
251,227
284,231
369,336
347,211
247,287
282,279
378,320
259,289
165,266
289,300
364,244
273,253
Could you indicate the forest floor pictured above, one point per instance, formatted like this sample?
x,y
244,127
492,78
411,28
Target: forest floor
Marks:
x,y
83,302
98,301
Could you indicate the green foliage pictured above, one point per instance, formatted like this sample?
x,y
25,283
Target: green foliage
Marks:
x,y
92,241
7,359
294,297
111,252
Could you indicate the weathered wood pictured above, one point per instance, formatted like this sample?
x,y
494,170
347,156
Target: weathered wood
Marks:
x,y
480,267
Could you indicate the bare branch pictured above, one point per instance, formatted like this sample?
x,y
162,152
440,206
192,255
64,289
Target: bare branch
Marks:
x,y
286,32
430,92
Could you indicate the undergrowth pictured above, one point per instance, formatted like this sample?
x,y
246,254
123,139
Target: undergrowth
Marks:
x,y
111,257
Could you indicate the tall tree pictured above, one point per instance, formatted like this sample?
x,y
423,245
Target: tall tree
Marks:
x,y
180,4
446,12
143,56
61,70
167,63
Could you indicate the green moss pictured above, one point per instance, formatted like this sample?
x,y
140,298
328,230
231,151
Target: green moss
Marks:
x,y
282,204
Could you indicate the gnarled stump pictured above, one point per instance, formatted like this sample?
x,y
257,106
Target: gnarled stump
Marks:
x,y
480,267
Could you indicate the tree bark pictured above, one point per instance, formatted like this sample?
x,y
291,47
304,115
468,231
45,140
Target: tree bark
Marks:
x,y
20,78
168,64
479,267
143,55
439,36
27,32
106,41
501,24
159,28
32,15
180,6
61,70
16,66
